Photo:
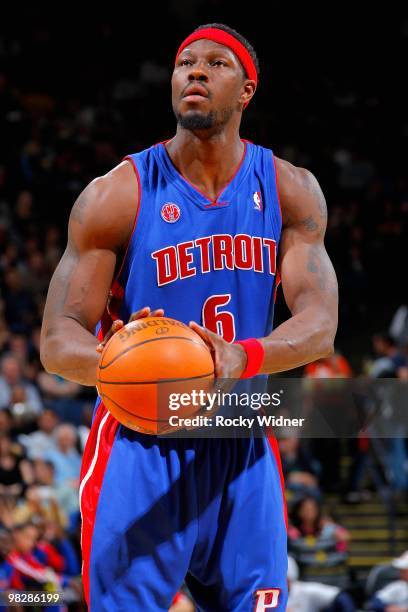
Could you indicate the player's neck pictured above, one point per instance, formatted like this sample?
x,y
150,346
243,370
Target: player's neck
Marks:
x,y
210,163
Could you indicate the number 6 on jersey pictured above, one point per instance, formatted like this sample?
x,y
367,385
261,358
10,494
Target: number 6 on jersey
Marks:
x,y
220,322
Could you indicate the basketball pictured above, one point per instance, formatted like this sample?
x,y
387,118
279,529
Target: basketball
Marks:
x,y
146,362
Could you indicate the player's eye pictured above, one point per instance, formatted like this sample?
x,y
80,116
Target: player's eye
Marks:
x,y
219,63
186,62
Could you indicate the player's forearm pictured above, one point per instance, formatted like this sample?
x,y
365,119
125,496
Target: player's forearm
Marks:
x,y
69,350
305,337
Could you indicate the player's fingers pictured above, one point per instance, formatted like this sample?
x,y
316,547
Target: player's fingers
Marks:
x,y
146,312
159,312
208,336
139,314
116,326
215,343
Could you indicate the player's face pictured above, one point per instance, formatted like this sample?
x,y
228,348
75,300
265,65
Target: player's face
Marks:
x,y
207,84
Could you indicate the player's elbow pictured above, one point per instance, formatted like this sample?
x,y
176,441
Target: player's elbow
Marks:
x,y
47,362
327,349
49,351
327,336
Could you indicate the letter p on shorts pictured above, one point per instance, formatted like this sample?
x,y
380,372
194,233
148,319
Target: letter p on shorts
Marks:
x,y
266,599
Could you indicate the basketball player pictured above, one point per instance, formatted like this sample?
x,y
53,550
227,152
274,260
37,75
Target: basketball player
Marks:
x,y
192,227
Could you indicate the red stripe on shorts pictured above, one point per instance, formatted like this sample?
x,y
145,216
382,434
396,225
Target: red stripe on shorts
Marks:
x,y
96,455
275,450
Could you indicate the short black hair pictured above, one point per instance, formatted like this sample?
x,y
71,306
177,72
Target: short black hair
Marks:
x,y
238,36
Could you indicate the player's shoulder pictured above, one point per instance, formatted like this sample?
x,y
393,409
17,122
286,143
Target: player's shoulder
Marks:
x,y
119,184
299,190
293,179
107,206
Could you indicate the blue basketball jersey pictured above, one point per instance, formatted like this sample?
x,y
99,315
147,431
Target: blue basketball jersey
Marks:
x,y
212,262
156,510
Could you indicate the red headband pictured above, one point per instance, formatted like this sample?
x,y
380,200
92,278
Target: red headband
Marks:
x,y
226,39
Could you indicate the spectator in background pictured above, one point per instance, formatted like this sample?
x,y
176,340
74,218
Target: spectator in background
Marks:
x,y
19,303
38,443
34,563
15,471
311,534
394,596
307,520
11,256
65,457
53,533
313,596
60,394
18,348
390,357
15,389
36,508
391,363
38,555
37,275
54,507
48,490
299,468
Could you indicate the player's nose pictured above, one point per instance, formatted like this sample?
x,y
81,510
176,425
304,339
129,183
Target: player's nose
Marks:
x,y
197,73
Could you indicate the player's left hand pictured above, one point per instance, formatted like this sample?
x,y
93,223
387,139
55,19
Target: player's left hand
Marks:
x,y
229,359
135,316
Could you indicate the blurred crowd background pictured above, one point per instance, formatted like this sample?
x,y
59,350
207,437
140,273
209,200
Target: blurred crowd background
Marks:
x,y
77,93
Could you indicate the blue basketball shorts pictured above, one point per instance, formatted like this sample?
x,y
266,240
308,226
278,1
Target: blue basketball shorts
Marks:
x,y
160,511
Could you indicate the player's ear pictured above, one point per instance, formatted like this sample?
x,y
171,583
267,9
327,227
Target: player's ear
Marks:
x,y
248,91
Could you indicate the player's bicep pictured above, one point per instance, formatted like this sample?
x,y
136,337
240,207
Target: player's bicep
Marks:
x,y
85,282
307,274
80,286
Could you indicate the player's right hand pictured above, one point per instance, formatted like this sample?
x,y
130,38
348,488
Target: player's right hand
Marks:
x,y
118,324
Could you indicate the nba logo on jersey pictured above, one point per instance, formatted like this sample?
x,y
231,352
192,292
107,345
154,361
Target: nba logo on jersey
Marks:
x,y
170,212
257,200
266,599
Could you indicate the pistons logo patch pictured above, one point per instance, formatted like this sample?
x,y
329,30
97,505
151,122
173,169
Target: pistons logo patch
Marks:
x,y
170,212
266,599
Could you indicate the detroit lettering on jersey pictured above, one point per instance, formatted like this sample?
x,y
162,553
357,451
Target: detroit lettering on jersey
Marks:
x,y
212,253
211,261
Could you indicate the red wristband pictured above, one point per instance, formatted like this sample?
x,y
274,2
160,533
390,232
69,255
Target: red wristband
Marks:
x,y
255,355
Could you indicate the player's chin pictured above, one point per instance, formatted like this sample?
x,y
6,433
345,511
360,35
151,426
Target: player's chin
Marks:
x,y
200,107
195,118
